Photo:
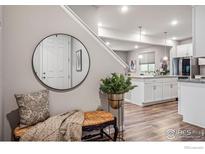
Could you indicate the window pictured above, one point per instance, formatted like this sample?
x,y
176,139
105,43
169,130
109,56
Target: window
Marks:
x,y
147,63
147,68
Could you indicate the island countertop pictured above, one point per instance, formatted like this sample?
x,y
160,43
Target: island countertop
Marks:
x,y
202,81
154,77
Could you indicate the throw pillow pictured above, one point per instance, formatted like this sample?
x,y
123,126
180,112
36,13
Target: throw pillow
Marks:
x,y
33,107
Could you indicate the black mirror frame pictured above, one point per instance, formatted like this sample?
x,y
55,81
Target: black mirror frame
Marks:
x,y
51,88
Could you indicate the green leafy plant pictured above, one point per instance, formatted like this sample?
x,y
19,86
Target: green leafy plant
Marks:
x,y
116,84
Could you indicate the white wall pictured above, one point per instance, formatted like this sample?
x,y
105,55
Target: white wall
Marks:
x,y
186,41
77,77
1,105
24,27
132,37
88,14
159,54
123,55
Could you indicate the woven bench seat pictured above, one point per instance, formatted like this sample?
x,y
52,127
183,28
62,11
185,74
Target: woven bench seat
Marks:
x,y
96,118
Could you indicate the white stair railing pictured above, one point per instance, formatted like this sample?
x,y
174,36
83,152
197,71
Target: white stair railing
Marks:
x,y
72,14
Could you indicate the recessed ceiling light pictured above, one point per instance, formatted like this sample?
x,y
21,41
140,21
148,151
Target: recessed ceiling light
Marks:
x,y
174,38
136,47
100,24
124,9
140,56
107,43
174,22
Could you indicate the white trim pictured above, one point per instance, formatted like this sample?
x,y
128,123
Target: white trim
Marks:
x,y
193,30
151,103
72,14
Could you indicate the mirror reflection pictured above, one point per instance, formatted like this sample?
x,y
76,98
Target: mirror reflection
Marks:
x,y
61,62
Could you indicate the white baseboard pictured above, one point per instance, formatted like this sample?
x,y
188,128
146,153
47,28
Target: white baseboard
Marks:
x,y
150,103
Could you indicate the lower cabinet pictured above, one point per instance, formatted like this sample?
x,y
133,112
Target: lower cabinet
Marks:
x,y
170,90
149,92
158,92
166,90
179,98
174,90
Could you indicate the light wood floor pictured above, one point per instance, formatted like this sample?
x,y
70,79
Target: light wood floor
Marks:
x,y
159,122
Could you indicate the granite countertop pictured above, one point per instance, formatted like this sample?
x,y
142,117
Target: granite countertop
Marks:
x,y
153,77
192,80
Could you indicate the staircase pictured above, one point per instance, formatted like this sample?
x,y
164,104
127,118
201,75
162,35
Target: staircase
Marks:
x,y
76,18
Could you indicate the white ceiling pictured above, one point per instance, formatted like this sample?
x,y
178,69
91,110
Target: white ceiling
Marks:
x,y
154,19
120,45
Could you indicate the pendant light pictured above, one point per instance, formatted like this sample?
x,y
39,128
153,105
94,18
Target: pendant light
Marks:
x,y
140,39
165,58
140,33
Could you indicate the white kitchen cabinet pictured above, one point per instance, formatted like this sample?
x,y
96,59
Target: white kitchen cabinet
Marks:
x,y
170,90
166,91
185,50
174,90
181,51
192,102
173,52
179,98
189,50
151,90
201,61
158,92
198,24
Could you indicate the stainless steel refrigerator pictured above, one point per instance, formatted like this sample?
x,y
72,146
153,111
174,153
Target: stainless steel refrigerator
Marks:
x,y
185,67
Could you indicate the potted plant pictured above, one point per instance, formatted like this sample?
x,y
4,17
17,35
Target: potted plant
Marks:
x,y
115,86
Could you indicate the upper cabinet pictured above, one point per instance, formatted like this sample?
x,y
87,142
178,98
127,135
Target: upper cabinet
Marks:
x,y
198,24
185,50
201,61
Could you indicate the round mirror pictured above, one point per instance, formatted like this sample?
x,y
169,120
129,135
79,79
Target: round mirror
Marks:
x,y
60,62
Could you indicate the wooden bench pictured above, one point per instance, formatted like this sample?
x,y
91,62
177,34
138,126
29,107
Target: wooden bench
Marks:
x,y
93,121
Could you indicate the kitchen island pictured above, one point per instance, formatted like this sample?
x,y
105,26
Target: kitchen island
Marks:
x,y
153,89
191,103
